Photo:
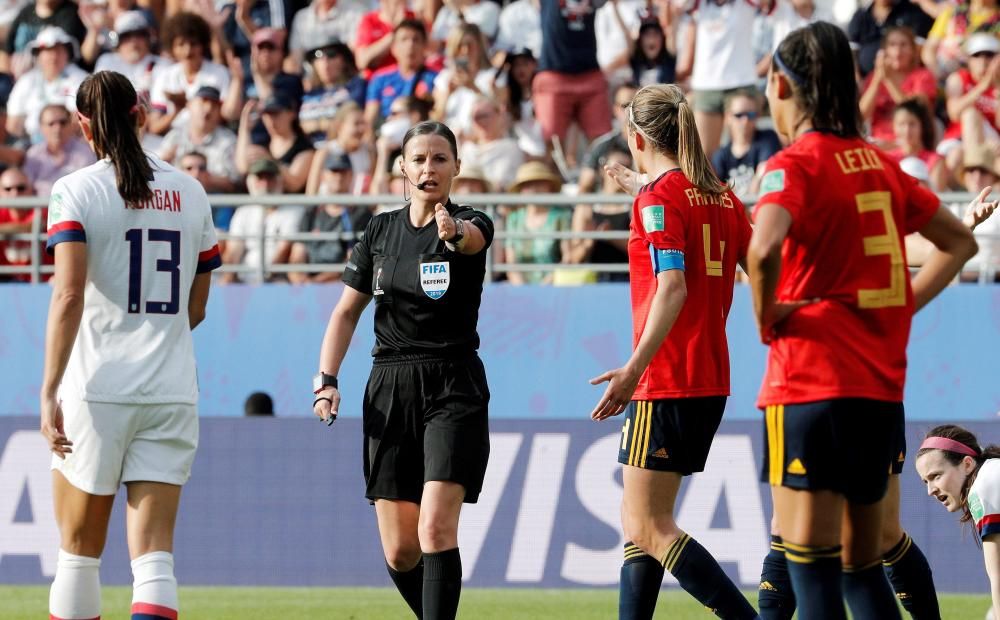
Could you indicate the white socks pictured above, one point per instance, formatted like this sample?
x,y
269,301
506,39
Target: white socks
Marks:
x,y
154,588
76,590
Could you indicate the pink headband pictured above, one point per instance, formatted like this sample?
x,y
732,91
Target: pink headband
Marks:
x,y
943,443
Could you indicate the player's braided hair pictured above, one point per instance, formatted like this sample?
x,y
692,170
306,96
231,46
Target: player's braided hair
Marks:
x,y
663,116
818,62
966,438
108,100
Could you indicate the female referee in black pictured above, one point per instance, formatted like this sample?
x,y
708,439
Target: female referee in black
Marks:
x,y
425,406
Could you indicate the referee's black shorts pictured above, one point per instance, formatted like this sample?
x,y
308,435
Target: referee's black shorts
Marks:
x,y
672,434
425,419
846,445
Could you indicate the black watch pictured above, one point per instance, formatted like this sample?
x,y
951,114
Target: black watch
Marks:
x,y
459,231
322,381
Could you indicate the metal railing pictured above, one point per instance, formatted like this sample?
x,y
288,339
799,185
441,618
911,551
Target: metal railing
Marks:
x,y
490,203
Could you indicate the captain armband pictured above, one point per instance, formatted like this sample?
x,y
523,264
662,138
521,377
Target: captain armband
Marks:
x,y
665,260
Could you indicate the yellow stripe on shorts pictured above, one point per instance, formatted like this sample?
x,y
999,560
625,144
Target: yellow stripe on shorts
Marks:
x,y
635,429
649,426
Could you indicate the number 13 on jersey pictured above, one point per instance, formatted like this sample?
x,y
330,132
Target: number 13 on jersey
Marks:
x,y
170,266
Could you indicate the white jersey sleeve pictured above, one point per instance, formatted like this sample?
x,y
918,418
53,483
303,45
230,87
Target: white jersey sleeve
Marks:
x,y
134,344
984,498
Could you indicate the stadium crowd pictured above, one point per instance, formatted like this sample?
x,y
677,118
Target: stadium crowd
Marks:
x,y
288,97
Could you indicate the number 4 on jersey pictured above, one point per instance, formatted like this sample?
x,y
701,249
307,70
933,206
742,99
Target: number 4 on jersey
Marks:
x,y
167,265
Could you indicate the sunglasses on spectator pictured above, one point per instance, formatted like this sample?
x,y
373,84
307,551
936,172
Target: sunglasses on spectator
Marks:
x,y
267,47
749,115
266,176
15,188
984,55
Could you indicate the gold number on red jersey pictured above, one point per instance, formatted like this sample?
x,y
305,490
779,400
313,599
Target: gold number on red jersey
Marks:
x,y
887,244
712,267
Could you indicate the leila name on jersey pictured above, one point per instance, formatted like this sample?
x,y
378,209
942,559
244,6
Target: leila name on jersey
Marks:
x,y
163,200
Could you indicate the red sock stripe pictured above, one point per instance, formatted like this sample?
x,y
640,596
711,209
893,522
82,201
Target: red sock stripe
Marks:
x,y
154,610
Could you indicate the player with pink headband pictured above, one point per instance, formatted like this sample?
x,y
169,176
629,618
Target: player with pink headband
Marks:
x,y
966,477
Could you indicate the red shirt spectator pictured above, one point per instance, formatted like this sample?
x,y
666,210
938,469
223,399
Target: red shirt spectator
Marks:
x,y
374,40
897,76
972,92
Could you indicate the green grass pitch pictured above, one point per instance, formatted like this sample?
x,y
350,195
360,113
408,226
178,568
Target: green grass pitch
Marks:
x,y
230,603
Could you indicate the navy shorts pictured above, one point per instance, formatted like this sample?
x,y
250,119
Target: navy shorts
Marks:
x,y
846,445
670,434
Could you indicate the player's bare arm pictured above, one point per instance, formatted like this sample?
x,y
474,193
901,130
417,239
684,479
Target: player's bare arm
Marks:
x,y
65,312
671,291
954,245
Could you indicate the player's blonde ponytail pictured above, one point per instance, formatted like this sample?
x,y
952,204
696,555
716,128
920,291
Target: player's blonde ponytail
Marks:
x,y
664,118
108,102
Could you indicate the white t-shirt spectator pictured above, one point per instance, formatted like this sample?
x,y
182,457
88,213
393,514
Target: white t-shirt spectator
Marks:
x,y
722,55
520,26
311,29
31,93
142,74
172,80
247,223
611,41
499,160
459,106
485,14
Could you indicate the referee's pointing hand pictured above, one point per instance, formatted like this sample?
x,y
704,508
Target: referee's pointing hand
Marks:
x,y
446,223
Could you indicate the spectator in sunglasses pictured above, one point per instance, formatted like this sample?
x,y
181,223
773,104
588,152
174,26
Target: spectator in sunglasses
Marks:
x,y
739,161
14,184
60,152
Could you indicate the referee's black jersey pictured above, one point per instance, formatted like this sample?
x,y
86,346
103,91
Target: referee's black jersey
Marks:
x,y
426,297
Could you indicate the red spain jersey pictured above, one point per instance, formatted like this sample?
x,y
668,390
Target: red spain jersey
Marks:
x,y
711,234
851,207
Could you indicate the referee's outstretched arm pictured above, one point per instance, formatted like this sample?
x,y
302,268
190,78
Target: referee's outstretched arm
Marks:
x,y
472,241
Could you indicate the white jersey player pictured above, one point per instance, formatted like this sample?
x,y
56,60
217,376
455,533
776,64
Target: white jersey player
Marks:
x,y
965,478
134,249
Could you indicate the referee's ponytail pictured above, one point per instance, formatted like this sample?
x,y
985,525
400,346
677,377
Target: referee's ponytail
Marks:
x,y
108,103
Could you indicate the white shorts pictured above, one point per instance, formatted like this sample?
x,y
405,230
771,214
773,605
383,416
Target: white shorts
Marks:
x,y
116,442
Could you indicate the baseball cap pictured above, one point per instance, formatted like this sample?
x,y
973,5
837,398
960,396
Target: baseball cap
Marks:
x,y
278,102
131,21
264,165
210,93
53,36
982,42
338,162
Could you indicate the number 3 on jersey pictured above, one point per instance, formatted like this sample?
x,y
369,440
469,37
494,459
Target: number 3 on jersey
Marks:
x,y
167,265
879,245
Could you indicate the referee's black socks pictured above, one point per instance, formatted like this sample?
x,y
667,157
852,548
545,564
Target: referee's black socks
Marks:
x,y
442,584
868,592
911,578
702,577
816,573
641,577
411,585
775,596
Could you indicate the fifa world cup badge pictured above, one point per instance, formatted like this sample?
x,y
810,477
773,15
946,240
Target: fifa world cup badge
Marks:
x,y
435,278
